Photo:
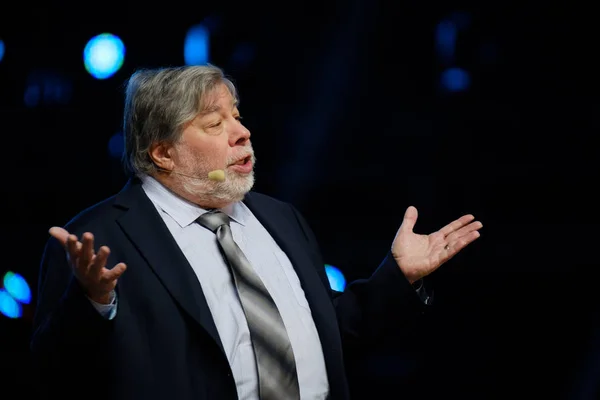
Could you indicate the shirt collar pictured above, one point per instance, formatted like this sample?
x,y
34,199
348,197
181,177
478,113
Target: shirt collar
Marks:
x,y
183,211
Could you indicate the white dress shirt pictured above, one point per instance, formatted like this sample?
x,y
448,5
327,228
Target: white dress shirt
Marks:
x,y
199,245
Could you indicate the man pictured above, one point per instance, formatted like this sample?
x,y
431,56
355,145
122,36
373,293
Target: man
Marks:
x,y
201,288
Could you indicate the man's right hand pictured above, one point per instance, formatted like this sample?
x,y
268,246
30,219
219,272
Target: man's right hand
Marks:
x,y
88,267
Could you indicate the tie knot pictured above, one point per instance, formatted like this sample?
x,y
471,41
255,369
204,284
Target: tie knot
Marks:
x,y
212,220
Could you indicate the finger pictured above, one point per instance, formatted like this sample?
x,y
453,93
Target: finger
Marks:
x,y
99,262
465,230
73,247
87,251
59,234
410,219
114,273
457,224
456,246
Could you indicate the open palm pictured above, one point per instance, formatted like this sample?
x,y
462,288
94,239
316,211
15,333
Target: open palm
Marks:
x,y
419,255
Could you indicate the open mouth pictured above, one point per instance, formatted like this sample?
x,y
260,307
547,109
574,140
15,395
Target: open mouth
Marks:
x,y
243,165
243,161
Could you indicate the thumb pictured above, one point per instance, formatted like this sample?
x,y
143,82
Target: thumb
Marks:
x,y
410,219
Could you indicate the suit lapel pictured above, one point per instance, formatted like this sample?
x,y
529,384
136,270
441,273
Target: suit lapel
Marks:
x,y
318,296
148,232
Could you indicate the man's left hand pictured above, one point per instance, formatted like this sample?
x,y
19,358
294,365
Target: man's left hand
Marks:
x,y
419,255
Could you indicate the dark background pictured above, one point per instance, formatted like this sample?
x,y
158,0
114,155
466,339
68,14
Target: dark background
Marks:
x,y
351,124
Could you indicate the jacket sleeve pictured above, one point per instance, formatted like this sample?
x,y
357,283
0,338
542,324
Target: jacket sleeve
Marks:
x,y
374,308
67,329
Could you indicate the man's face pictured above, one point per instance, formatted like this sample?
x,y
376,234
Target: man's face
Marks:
x,y
216,139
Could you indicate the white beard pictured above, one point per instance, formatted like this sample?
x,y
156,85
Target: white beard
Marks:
x,y
232,189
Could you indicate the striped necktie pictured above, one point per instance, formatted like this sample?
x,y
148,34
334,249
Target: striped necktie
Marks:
x,y
276,366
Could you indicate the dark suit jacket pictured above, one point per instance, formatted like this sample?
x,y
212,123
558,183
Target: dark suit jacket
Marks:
x,y
163,343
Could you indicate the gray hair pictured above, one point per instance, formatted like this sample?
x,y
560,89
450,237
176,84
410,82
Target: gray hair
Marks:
x,y
158,103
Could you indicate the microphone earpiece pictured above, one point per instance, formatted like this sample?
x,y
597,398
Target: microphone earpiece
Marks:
x,y
217,175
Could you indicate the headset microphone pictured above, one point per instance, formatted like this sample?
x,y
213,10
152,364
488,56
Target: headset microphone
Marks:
x,y
216,175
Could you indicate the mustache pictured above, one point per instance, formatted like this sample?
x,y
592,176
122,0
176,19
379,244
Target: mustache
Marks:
x,y
246,151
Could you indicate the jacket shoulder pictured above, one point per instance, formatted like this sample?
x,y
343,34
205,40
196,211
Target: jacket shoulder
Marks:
x,y
93,215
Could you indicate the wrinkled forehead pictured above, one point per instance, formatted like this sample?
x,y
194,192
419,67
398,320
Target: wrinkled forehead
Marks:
x,y
218,97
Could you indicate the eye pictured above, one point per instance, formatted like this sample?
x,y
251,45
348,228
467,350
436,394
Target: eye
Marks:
x,y
239,118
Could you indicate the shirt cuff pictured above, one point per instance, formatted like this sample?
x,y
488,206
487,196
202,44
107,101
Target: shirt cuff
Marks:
x,y
108,311
422,292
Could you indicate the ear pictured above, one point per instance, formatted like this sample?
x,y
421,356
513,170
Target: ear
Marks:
x,y
160,153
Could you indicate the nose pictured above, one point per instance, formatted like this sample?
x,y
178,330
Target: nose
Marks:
x,y
240,135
